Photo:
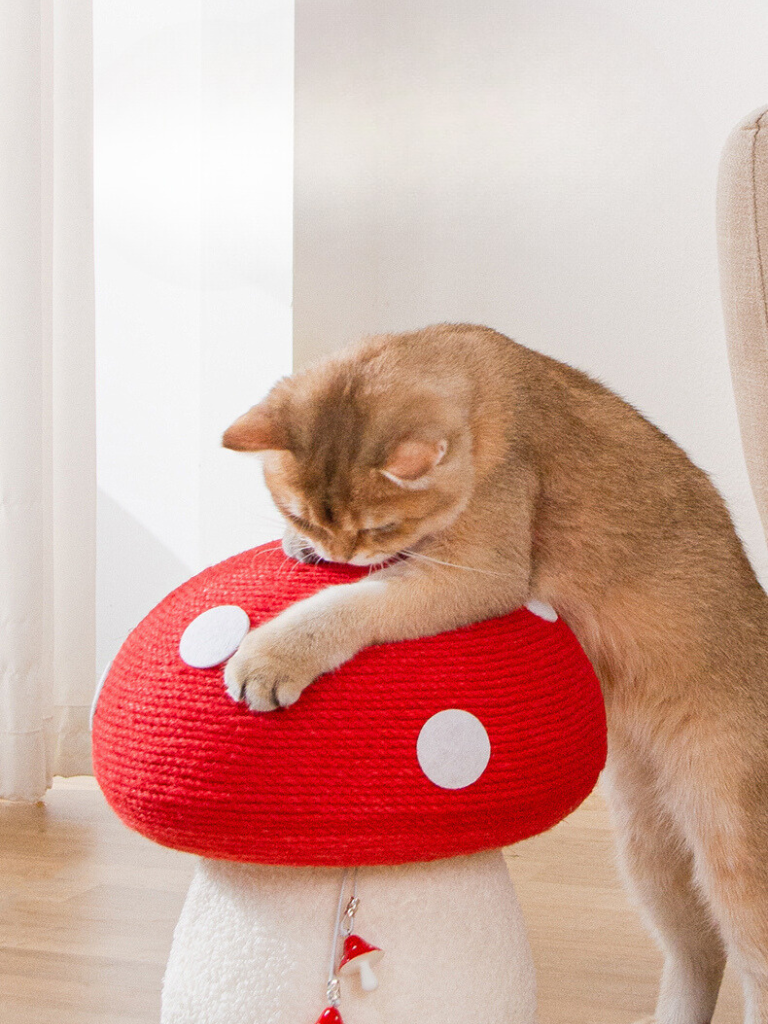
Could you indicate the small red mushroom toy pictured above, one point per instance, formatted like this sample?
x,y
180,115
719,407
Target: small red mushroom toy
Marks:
x,y
360,957
330,1016
415,762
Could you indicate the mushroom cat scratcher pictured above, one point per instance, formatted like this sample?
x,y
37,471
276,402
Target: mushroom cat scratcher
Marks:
x,y
350,844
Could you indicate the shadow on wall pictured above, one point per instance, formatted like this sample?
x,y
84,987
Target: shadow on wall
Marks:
x,y
134,571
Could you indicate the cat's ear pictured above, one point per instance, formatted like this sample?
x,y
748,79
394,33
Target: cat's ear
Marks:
x,y
411,462
258,430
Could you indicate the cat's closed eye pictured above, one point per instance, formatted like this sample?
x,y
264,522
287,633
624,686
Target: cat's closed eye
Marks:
x,y
384,528
299,523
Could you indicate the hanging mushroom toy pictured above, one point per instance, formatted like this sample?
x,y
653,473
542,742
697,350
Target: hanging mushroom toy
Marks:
x,y
360,957
330,1016
386,792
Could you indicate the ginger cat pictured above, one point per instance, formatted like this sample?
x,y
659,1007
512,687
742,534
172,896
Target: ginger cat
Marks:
x,y
487,475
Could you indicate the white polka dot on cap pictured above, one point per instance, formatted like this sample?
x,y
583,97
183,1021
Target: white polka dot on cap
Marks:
x,y
542,609
214,636
453,749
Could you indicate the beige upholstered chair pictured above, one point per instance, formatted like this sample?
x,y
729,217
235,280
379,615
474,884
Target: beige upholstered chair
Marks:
x,y
743,241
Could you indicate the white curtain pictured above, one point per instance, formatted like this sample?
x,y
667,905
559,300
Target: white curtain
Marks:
x,y
47,442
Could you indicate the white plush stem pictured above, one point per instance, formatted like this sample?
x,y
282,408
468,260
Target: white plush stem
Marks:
x,y
253,943
367,977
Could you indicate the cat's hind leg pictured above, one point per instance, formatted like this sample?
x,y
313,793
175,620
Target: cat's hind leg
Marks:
x,y
716,786
755,998
732,869
658,867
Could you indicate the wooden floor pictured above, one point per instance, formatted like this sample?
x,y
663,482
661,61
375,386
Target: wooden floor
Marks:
x,y
87,910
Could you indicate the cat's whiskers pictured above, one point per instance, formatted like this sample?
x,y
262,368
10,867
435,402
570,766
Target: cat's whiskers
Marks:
x,y
279,524
450,565
263,552
294,564
310,556
287,561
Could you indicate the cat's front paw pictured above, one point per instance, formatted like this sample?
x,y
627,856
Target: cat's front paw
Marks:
x,y
263,676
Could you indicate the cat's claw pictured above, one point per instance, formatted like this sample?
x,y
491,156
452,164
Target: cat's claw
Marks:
x,y
260,679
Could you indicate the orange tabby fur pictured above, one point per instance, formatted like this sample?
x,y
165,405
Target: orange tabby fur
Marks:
x,y
506,476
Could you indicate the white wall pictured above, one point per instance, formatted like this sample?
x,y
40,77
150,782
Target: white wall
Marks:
x,y
193,195
546,168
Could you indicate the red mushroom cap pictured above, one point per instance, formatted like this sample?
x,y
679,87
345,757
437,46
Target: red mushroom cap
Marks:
x,y
355,947
330,1016
336,778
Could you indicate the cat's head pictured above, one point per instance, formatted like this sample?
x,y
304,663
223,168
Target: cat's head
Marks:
x,y
361,468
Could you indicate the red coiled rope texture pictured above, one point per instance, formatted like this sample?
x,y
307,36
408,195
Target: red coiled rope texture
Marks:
x,y
334,779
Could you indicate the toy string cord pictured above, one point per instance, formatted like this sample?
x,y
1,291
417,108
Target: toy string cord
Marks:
x,y
333,987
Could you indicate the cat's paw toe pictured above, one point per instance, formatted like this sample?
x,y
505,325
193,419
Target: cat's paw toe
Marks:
x,y
261,682
268,694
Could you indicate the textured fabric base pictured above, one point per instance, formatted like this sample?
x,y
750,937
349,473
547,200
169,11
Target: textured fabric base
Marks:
x,y
253,945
